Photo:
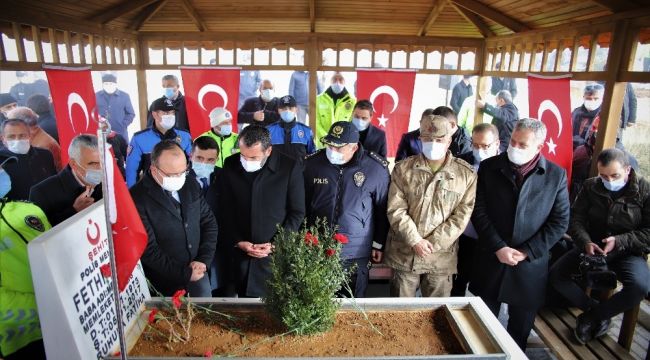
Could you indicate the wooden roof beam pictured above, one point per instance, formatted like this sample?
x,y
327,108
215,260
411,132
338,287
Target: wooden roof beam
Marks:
x,y
438,5
492,14
200,24
146,14
474,20
312,15
121,9
616,5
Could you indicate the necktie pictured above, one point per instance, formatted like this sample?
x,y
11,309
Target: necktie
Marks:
x,y
204,184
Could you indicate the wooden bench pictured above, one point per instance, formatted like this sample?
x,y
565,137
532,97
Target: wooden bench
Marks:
x,y
555,327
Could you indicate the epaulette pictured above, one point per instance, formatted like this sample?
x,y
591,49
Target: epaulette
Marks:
x,y
309,156
141,131
378,158
464,163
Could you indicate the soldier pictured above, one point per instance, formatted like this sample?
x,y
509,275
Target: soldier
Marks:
x,y
348,186
20,223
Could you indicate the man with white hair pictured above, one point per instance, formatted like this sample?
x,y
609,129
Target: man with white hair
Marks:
x,y
521,211
38,137
261,110
76,186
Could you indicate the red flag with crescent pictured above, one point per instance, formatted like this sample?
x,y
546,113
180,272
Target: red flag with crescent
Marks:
x,y
391,93
549,100
73,99
206,89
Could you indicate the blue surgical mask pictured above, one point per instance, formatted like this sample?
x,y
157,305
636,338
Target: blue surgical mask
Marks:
x,y
169,93
225,130
5,183
360,123
334,157
93,177
614,185
287,116
202,170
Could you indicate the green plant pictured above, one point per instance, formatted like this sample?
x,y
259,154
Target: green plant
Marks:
x,y
306,273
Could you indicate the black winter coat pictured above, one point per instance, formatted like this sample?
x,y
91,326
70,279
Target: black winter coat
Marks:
x,y
375,140
504,118
30,169
179,110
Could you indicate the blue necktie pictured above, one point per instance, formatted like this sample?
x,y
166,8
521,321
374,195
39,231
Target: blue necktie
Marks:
x,y
204,183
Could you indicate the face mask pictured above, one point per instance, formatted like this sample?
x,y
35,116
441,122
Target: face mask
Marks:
x,y
173,183
592,105
225,130
93,177
18,146
110,88
519,156
614,185
5,183
337,88
434,150
361,124
251,165
169,93
168,121
483,154
267,94
202,170
287,116
334,157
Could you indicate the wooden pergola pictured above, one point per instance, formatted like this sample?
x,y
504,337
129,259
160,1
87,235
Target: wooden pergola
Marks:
x,y
521,36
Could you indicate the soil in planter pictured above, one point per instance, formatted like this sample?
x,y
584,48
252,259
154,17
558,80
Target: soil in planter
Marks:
x,y
425,332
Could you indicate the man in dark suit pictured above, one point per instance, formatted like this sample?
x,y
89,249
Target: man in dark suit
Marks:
x,y
521,211
261,110
504,116
76,186
410,143
371,137
261,189
181,228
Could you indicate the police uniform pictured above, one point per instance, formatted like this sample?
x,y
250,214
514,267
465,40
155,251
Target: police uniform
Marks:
x,y
293,139
352,196
138,156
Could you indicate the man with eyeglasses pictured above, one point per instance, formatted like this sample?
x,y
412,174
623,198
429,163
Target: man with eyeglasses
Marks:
x,y
181,229
485,144
142,143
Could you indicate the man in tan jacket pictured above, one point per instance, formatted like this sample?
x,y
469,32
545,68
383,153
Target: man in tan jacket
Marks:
x,y
430,202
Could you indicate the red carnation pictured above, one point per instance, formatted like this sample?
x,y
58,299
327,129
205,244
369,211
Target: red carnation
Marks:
x,y
341,238
207,354
176,298
152,316
330,252
311,239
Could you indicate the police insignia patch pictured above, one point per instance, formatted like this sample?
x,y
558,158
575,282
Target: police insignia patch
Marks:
x,y
301,134
34,223
348,106
337,131
178,140
359,178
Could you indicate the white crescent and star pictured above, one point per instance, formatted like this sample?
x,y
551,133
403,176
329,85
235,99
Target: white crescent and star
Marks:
x,y
548,105
385,89
73,99
208,88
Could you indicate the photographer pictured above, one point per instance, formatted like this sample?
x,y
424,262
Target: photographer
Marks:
x,y
610,219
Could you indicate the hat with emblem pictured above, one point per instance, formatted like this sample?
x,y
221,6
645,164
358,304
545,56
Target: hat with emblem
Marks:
x,y
219,115
341,133
287,101
434,126
162,104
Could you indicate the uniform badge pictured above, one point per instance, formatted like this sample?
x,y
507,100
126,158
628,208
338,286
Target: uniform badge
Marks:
x,y
359,178
348,106
178,140
301,134
337,131
34,223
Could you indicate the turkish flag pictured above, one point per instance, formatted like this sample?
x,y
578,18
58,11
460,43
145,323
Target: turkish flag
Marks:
x,y
391,93
206,89
73,98
549,100
129,236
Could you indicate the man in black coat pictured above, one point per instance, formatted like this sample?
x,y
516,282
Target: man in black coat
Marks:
x,y
75,187
504,116
261,110
172,92
34,164
410,143
460,141
261,189
460,92
371,137
521,211
181,228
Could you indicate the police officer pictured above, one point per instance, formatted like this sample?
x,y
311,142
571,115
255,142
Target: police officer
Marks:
x,y
142,143
288,136
20,222
348,186
221,132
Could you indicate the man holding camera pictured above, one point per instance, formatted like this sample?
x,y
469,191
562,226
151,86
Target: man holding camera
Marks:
x,y
610,221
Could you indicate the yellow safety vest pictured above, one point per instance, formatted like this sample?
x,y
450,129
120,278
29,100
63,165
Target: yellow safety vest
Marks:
x,y
327,113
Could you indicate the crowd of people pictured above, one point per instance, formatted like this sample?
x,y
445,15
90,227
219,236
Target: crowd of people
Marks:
x,y
479,210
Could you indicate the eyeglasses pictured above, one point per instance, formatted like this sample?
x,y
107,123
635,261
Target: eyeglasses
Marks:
x,y
482,146
181,174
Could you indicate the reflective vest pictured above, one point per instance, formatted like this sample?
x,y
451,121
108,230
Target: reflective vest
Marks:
x,y
327,113
20,223
227,145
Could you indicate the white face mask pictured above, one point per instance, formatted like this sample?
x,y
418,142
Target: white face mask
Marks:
x,y
483,154
337,87
267,94
519,156
168,121
110,88
592,105
18,146
173,183
434,150
614,185
251,165
334,157
361,124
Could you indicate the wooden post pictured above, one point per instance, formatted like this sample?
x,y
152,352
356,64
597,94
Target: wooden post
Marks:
x,y
93,53
20,46
38,47
54,45
481,83
142,60
313,61
68,47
